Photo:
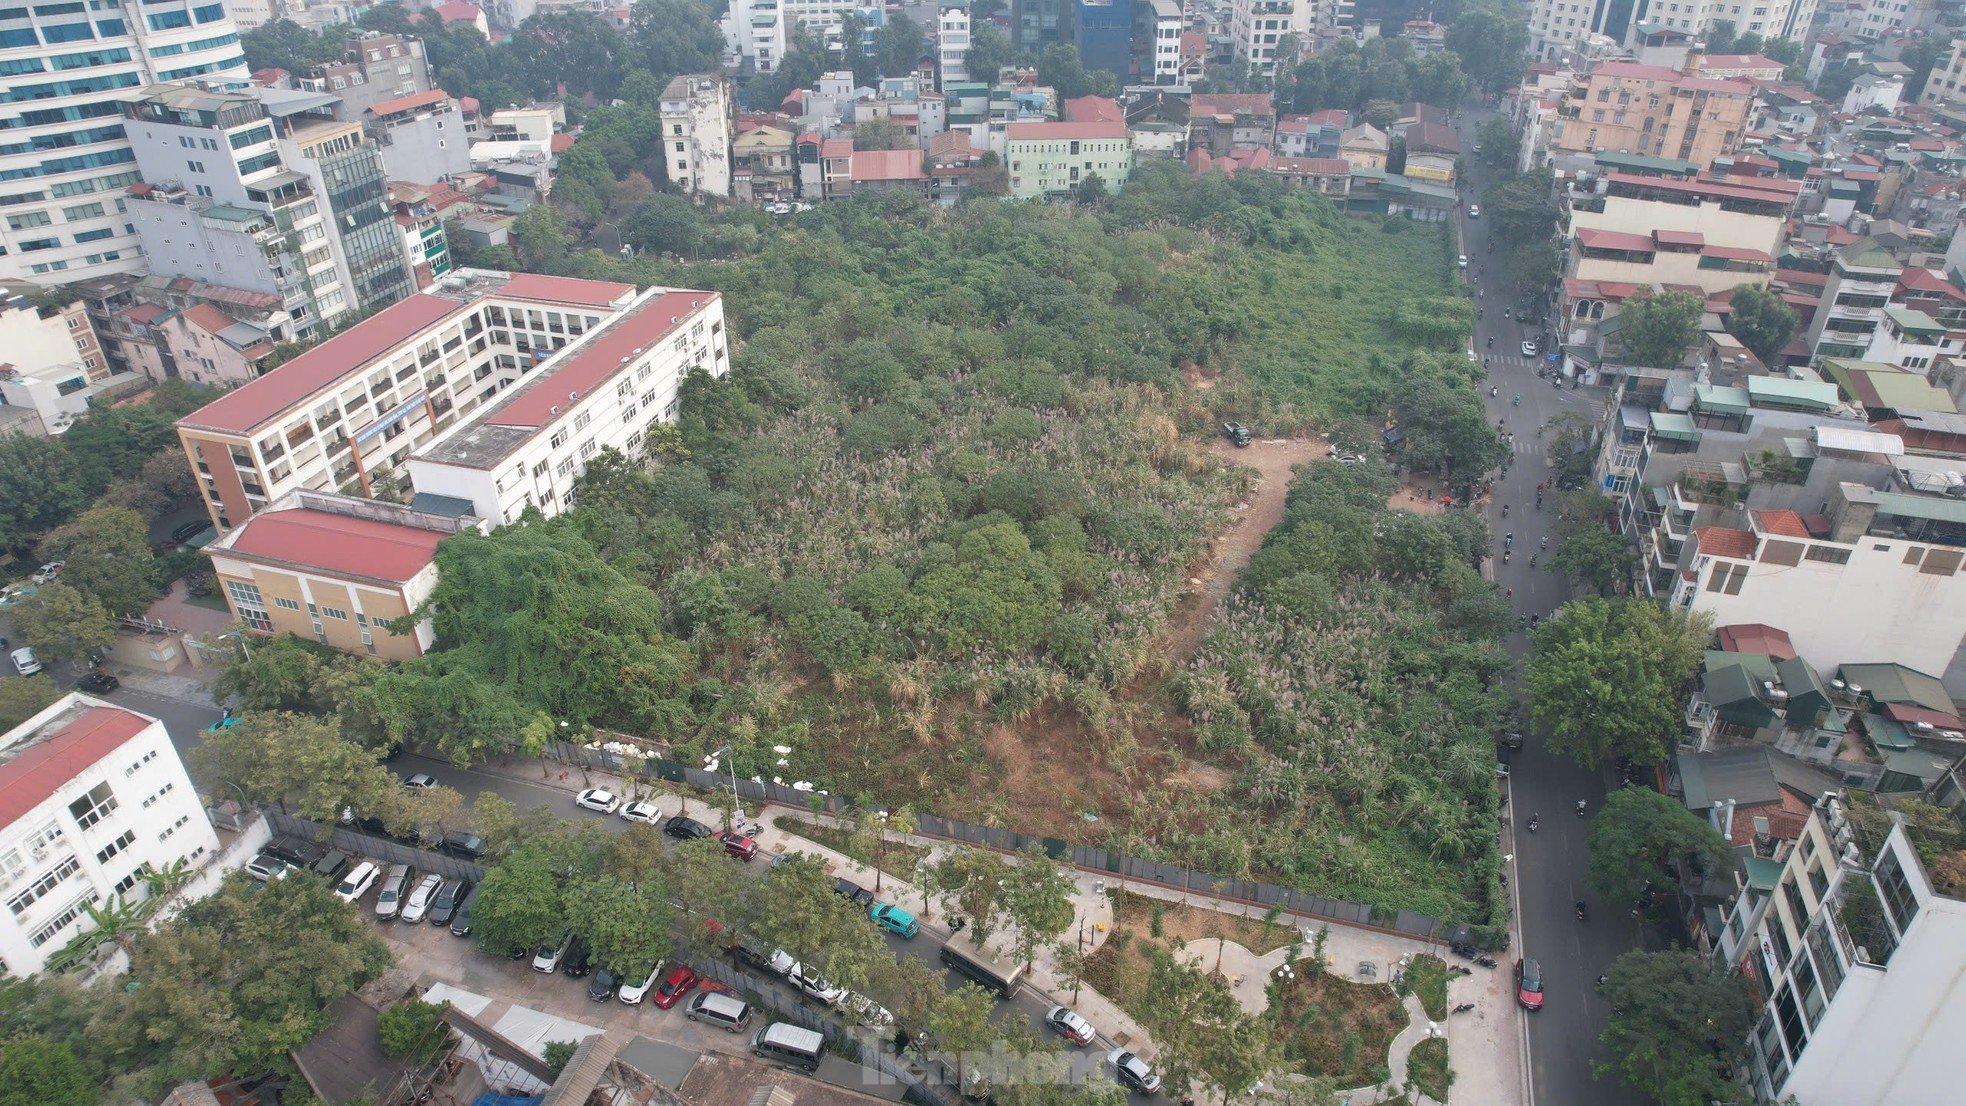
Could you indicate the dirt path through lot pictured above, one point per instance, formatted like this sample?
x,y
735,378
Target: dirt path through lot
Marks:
x,y
1272,458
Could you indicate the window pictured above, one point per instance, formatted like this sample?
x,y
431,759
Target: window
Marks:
x,y
60,921
581,420
285,603
1828,555
103,854
559,439
1895,890
40,888
245,600
28,219
333,613
94,806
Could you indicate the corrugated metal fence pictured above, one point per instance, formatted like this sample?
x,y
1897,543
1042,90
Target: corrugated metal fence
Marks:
x,y
383,850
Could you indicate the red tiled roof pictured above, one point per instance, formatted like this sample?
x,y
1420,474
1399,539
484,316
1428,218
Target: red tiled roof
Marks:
x,y
1193,44
1735,253
457,12
1055,132
411,102
1594,238
1324,166
1329,117
1757,188
1756,637
245,408
583,369
836,147
1724,541
144,313
1907,713
559,289
1599,289
1802,277
1294,124
469,104
560,143
39,771
1093,109
206,318
1784,522
1925,280
338,545
1679,238
884,165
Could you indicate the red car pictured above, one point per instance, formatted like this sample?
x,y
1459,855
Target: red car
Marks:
x,y
674,986
738,845
1529,984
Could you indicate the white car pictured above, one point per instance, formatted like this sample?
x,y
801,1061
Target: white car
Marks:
x,y
1462,260
817,987
642,811
1070,1026
264,867
25,662
866,1011
599,800
357,882
782,962
1529,349
417,906
1474,211
634,991
47,573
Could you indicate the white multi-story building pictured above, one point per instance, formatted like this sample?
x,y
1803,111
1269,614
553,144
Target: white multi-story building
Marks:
x,y
1257,26
1861,282
1856,937
89,794
952,47
755,31
603,391
1559,27
355,407
697,128
63,167
1168,23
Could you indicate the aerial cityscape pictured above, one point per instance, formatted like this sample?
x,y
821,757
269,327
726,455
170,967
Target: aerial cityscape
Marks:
x,y
820,553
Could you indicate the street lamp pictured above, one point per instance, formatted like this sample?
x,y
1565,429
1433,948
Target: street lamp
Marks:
x,y
710,762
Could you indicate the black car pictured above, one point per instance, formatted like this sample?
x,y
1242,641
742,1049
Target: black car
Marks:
x,y
188,531
578,959
450,897
689,829
749,954
853,892
98,682
300,854
461,925
467,845
603,986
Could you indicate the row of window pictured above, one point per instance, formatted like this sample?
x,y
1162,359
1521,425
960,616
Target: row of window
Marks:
x,y
41,887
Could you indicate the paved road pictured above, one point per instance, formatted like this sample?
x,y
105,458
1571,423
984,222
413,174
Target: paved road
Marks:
x,y
1549,866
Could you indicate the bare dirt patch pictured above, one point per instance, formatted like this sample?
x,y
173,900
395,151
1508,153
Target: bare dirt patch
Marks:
x,y
1201,777
1273,459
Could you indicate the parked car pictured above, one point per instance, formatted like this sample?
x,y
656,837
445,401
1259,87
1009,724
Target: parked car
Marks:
x,y
1461,261
98,682
738,845
417,906
1132,1072
1474,211
853,892
894,919
816,985
577,961
687,829
547,958
599,800
458,843
25,662
300,854
48,573
445,906
601,987
357,882
461,925
1237,433
633,991
418,781
264,867
1070,1026
396,884
1529,984
865,1011
186,532
718,1008
679,982
333,865
642,811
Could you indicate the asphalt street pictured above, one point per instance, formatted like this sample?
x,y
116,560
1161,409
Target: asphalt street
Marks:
x,y
1547,873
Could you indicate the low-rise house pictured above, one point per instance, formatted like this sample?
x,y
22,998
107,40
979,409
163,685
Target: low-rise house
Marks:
x,y
212,349
1364,146
763,169
1330,176
1221,122
1158,124
954,166
1052,159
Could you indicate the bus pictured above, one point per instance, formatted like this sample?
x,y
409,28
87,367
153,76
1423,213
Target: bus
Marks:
x,y
977,964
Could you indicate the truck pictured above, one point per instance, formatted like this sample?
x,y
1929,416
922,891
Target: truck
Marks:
x,y
982,967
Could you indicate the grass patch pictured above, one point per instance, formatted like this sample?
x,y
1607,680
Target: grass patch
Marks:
x,y
899,860
1427,1070
1427,977
1333,1026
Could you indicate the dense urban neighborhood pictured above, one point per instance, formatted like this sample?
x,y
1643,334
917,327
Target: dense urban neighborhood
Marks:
x,y
820,553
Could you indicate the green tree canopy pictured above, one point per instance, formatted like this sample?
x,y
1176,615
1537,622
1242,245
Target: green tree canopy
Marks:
x,y
989,51
1595,557
1762,320
108,558
1609,677
1677,1025
35,1071
62,623
1658,329
1490,38
519,902
1642,836
627,927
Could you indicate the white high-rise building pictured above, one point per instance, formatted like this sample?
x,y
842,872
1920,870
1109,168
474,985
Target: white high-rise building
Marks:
x,y
1559,27
755,31
64,67
90,794
952,47
697,127
1257,26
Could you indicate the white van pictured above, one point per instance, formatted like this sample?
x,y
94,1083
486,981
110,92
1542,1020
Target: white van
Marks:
x,y
357,882
789,1044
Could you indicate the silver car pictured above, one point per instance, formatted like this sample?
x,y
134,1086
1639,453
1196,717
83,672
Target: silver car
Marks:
x,y
417,906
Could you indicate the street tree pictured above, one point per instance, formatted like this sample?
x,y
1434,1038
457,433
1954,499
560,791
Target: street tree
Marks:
x,y
426,813
1038,902
35,1071
63,624
798,912
910,987
1608,677
1595,557
495,819
25,697
627,927
1206,1037
707,887
300,763
959,1026
1676,1027
1522,214
236,981
1762,320
969,884
1658,329
1499,144
519,902
1490,39
1446,430
634,854
107,557
1643,837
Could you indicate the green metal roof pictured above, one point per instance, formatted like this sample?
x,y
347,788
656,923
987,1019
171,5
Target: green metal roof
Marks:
x,y
1808,696
1867,254
1668,424
1781,391
1648,164
1895,683
1732,691
1912,321
1763,874
1758,666
1886,733
1916,763
1721,399
1921,506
